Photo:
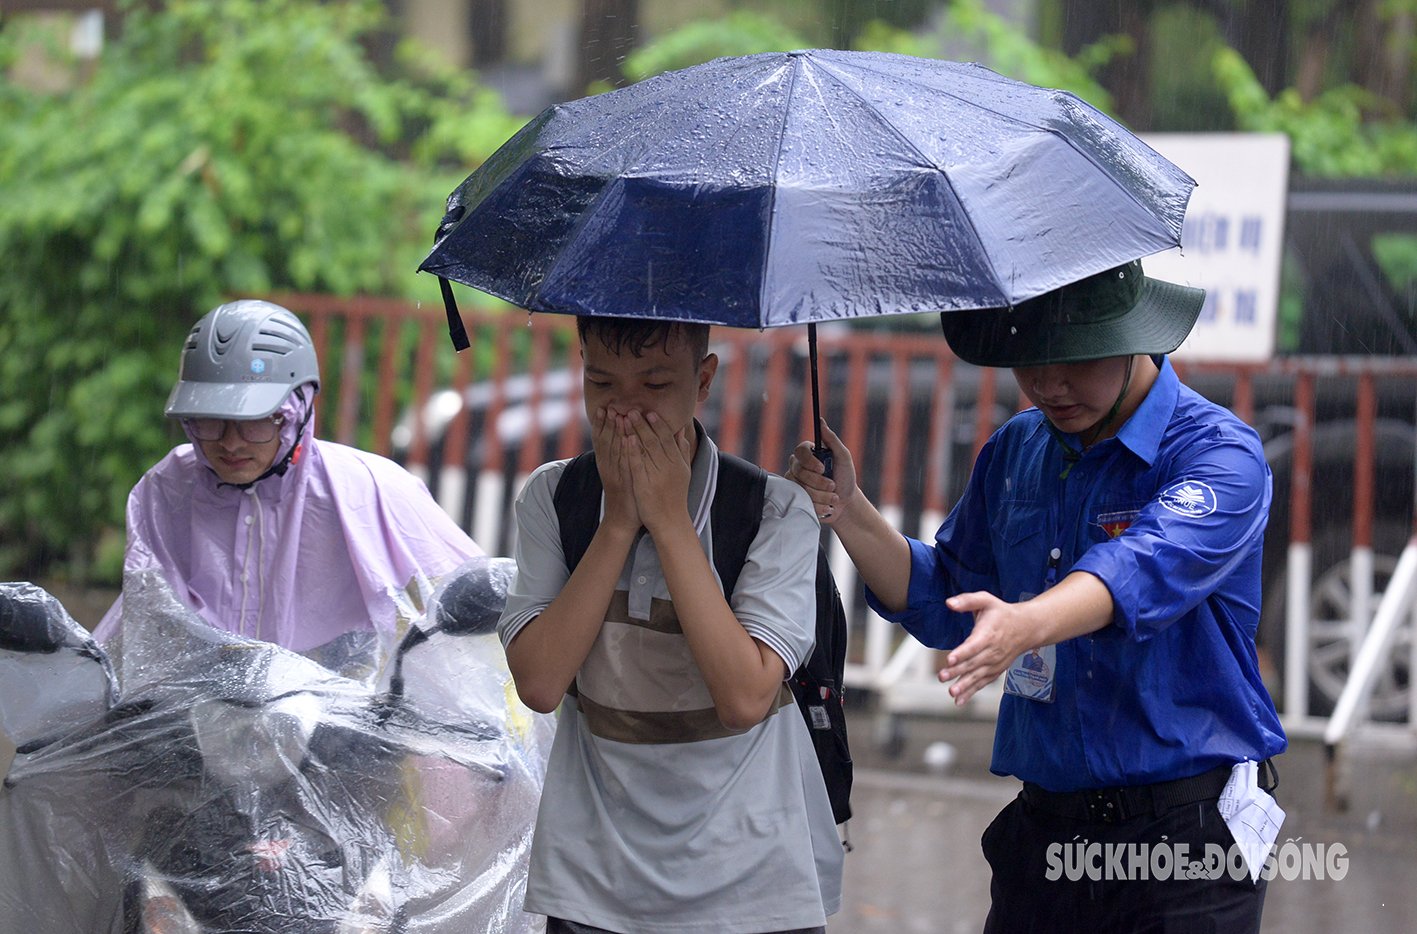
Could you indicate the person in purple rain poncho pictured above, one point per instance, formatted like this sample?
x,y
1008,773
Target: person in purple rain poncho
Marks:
x,y
268,532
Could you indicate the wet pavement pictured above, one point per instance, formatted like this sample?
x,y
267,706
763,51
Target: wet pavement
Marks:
x,y
917,864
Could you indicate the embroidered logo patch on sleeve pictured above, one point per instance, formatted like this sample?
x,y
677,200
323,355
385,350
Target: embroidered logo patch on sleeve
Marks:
x,y
1190,498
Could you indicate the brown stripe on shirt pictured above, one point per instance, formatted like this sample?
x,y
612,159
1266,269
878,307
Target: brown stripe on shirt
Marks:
x,y
662,617
660,727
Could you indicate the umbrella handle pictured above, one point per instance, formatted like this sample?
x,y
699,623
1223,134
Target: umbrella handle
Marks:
x,y
456,331
819,450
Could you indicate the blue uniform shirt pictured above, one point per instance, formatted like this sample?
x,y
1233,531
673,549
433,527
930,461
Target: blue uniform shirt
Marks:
x,y
1169,514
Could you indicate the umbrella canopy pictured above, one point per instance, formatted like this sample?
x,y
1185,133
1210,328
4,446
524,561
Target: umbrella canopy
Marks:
x,y
792,188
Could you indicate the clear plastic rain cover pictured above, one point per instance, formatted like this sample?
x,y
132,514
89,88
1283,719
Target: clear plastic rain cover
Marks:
x,y
197,781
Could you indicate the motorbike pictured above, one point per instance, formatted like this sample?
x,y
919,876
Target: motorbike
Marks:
x,y
188,780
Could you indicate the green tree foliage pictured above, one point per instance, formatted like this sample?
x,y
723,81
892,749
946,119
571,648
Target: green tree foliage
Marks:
x,y
218,148
1334,134
742,32
1004,47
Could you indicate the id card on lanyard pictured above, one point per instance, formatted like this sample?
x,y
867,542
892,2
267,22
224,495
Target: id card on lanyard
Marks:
x,y
1033,674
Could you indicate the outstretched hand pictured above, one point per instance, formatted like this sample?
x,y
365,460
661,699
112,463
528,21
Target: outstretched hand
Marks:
x,y
1001,634
830,495
1077,605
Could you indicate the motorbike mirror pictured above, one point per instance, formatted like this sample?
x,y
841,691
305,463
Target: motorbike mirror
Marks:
x,y
31,620
472,602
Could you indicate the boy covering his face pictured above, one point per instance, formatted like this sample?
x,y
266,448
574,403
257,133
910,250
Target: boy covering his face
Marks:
x,y
683,792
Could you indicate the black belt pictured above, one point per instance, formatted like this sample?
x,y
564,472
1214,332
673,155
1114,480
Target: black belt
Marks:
x,y
1110,805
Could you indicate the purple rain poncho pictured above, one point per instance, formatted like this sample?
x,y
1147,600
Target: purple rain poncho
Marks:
x,y
332,558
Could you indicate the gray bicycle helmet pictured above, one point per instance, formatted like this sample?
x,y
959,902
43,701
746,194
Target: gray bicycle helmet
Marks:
x,y
241,360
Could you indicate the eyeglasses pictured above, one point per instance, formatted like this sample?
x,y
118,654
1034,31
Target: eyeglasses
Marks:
x,y
251,430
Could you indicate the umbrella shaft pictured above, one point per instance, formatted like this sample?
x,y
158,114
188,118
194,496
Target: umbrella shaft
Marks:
x,y
816,396
822,452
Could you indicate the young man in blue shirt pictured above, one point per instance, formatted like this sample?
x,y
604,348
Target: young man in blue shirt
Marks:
x,y
1117,528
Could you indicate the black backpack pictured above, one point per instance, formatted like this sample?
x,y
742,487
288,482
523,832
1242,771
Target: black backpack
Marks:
x,y
735,514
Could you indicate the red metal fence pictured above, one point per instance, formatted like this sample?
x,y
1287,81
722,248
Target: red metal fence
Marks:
x,y
1339,431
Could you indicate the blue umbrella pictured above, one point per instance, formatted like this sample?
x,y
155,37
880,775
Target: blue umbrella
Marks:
x,y
791,188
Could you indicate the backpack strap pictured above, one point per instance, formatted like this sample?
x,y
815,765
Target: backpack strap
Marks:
x,y
735,515
577,502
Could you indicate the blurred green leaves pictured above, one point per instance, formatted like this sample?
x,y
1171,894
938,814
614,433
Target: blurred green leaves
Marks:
x,y
1000,44
741,32
1333,135
1004,47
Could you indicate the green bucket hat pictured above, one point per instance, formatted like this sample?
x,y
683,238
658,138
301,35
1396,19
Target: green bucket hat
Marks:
x,y
1115,313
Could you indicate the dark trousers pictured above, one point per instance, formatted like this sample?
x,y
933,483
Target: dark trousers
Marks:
x,y
1113,899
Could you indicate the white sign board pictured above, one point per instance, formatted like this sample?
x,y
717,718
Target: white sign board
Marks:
x,y
1232,242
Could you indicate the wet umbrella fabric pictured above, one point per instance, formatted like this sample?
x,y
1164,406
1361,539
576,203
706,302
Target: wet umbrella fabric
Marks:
x,y
793,188
784,188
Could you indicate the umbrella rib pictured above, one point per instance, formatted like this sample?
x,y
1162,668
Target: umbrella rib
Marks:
x,y
1127,191
871,108
643,112
772,198
595,205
